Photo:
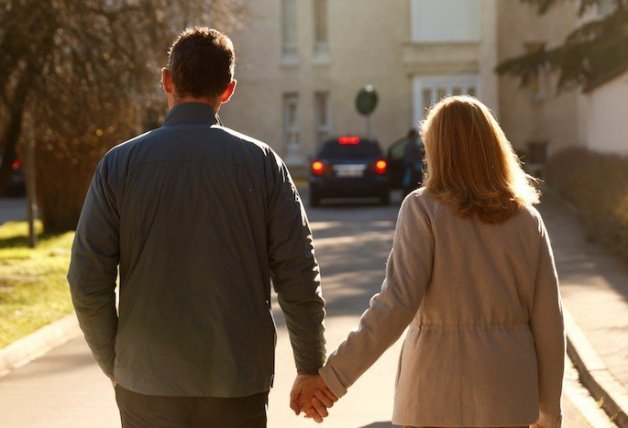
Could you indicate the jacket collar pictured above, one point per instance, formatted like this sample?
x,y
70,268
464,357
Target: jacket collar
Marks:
x,y
191,113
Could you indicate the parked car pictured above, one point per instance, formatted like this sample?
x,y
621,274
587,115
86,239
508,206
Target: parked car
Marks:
x,y
349,166
17,186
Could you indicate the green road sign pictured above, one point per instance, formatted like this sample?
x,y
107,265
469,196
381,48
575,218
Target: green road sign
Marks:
x,y
366,100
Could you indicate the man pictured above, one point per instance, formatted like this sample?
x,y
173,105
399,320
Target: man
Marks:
x,y
197,218
412,161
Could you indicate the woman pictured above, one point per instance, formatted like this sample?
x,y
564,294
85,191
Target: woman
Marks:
x,y
472,274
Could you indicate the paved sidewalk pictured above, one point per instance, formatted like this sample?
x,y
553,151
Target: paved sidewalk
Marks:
x,y
594,285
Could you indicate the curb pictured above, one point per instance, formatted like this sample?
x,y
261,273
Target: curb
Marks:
x,y
36,344
594,375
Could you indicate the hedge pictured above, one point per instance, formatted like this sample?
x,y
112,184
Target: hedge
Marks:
x,y
597,184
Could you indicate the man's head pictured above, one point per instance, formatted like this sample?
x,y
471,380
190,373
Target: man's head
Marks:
x,y
201,63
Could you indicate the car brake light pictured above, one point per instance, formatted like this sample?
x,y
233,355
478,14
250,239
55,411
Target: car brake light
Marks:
x,y
318,167
349,140
381,166
16,164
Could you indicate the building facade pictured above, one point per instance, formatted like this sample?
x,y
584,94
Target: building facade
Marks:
x,y
537,118
301,64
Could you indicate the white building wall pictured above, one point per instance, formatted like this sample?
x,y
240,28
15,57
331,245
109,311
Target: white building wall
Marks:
x,y
537,114
607,116
488,80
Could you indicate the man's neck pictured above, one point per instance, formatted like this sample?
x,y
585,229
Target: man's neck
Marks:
x,y
214,104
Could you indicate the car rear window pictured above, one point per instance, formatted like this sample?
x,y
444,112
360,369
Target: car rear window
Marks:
x,y
363,150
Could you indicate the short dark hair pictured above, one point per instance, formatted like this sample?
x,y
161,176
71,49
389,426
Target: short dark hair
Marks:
x,y
201,61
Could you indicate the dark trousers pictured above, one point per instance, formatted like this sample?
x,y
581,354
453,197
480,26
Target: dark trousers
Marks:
x,y
149,411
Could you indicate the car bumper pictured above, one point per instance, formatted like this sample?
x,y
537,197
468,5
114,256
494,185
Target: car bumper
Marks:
x,y
349,187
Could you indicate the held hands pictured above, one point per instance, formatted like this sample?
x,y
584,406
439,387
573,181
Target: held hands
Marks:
x,y
310,395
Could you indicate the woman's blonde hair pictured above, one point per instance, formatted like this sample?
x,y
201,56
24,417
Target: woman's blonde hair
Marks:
x,y
471,164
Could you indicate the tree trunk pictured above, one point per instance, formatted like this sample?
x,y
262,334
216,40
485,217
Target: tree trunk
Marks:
x,y
12,132
9,152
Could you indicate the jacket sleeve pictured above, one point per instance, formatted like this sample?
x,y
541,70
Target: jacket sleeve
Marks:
x,y
408,272
546,323
294,269
93,270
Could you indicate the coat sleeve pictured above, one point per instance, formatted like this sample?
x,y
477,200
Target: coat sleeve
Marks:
x,y
93,270
408,272
294,269
547,327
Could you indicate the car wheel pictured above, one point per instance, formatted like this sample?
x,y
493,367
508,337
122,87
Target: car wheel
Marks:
x,y
384,198
315,199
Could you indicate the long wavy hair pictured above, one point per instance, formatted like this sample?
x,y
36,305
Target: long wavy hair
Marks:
x,y
471,164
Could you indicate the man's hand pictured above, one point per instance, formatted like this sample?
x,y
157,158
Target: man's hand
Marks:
x,y
310,395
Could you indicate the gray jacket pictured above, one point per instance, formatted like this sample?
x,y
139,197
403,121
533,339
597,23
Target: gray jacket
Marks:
x,y
198,218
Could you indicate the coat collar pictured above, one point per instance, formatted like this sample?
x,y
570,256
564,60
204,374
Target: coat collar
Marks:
x,y
191,113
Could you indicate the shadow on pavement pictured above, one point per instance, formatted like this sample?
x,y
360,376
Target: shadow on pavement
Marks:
x,y
54,363
578,259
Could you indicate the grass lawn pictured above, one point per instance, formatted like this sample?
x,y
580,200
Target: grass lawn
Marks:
x,y
33,288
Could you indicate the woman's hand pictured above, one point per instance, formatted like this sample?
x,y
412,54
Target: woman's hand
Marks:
x,y
311,395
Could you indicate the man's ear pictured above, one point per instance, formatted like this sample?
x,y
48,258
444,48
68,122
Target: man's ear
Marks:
x,y
226,95
166,81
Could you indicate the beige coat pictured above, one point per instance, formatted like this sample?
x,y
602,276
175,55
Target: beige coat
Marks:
x,y
485,344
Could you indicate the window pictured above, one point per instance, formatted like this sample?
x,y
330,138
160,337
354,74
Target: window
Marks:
x,y
606,7
445,20
428,90
322,119
292,149
538,81
427,99
320,26
289,34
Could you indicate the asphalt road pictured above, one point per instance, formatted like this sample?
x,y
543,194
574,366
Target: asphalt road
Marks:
x,y
66,389
12,209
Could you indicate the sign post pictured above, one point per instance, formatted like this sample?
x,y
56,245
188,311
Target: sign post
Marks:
x,y
365,103
31,207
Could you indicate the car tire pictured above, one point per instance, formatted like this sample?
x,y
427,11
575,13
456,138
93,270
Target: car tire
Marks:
x,y
384,198
315,199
